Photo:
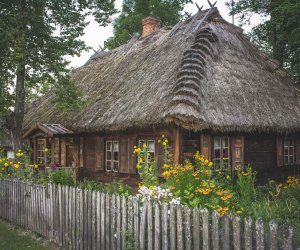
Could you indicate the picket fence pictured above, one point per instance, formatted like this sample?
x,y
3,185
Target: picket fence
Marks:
x,y
84,219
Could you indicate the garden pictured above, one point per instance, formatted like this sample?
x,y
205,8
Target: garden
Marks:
x,y
194,183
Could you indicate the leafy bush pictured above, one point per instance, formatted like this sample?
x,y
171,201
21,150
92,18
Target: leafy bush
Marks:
x,y
111,188
59,176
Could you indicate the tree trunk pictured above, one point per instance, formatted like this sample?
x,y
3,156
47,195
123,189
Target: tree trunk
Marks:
x,y
18,115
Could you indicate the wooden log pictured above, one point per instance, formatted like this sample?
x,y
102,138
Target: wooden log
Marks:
x,y
236,233
205,229
180,243
226,232
273,235
215,231
150,226
157,231
248,234
164,227
172,227
259,227
187,228
143,226
288,238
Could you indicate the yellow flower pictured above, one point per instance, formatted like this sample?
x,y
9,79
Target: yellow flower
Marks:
x,y
150,169
36,166
141,160
46,150
239,212
134,147
2,169
16,165
223,210
138,166
162,136
159,141
5,164
245,173
210,164
166,165
164,143
0,160
206,161
166,173
144,145
228,177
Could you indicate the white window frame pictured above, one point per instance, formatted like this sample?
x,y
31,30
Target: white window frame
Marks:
x,y
141,143
221,158
290,151
112,160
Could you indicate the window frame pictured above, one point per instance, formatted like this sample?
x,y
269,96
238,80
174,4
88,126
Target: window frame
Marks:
x,y
40,152
221,148
112,160
290,153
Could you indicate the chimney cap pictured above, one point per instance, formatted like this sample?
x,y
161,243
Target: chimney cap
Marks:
x,y
150,19
150,25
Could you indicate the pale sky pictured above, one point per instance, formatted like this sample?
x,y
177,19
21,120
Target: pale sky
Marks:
x,y
96,35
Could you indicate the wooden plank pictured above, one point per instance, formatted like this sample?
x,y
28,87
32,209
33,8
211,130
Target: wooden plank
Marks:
x,y
86,220
226,232
273,235
288,238
107,221
81,226
205,229
113,222
172,227
143,225
136,219
103,225
157,231
150,226
61,222
248,234
236,232
259,227
215,231
196,229
98,219
164,226
177,145
119,222
124,222
180,243
187,228
94,220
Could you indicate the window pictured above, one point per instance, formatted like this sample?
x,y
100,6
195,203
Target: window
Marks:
x,y
221,152
40,152
112,156
149,151
288,151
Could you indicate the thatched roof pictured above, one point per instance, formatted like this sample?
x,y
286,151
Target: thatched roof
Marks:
x,y
202,74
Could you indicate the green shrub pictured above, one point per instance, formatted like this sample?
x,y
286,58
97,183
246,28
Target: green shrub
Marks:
x,y
59,176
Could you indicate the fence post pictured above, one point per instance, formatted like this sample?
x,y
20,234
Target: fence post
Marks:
x,y
164,222
150,227
236,233
187,215
288,238
172,227
196,228
136,220
248,233
259,227
143,225
205,229
226,232
273,235
113,222
124,222
180,244
215,231
118,231
157,232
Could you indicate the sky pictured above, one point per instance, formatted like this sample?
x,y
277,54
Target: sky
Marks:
x,y
95,35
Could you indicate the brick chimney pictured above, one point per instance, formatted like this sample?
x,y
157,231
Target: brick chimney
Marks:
x,y
150,25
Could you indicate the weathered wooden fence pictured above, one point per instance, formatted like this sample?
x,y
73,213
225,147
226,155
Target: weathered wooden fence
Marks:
x,y
85,219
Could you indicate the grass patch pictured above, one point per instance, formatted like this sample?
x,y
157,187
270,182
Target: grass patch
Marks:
x,y
15,238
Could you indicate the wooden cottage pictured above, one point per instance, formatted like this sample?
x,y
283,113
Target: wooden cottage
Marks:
x,y
202,83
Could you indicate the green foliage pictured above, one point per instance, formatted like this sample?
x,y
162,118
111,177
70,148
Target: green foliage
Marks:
x,y
279,34
110,188
133,11
35,38
60,176
68,96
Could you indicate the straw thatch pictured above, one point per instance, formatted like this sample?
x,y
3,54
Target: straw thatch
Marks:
x,y
202,74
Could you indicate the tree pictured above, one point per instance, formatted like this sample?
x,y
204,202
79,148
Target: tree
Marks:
x,y
279,34
35,37
133,11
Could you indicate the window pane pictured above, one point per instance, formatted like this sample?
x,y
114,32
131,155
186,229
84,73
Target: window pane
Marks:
x,y
286,160
108,155
226,153
151,146
291,160
116,156
116,146
108,146
108,165
116,166
286,150
150,156
217,141
217,153
225,163
225,142
217,164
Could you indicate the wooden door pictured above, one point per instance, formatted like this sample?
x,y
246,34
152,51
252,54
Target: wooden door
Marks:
x,y
72,156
